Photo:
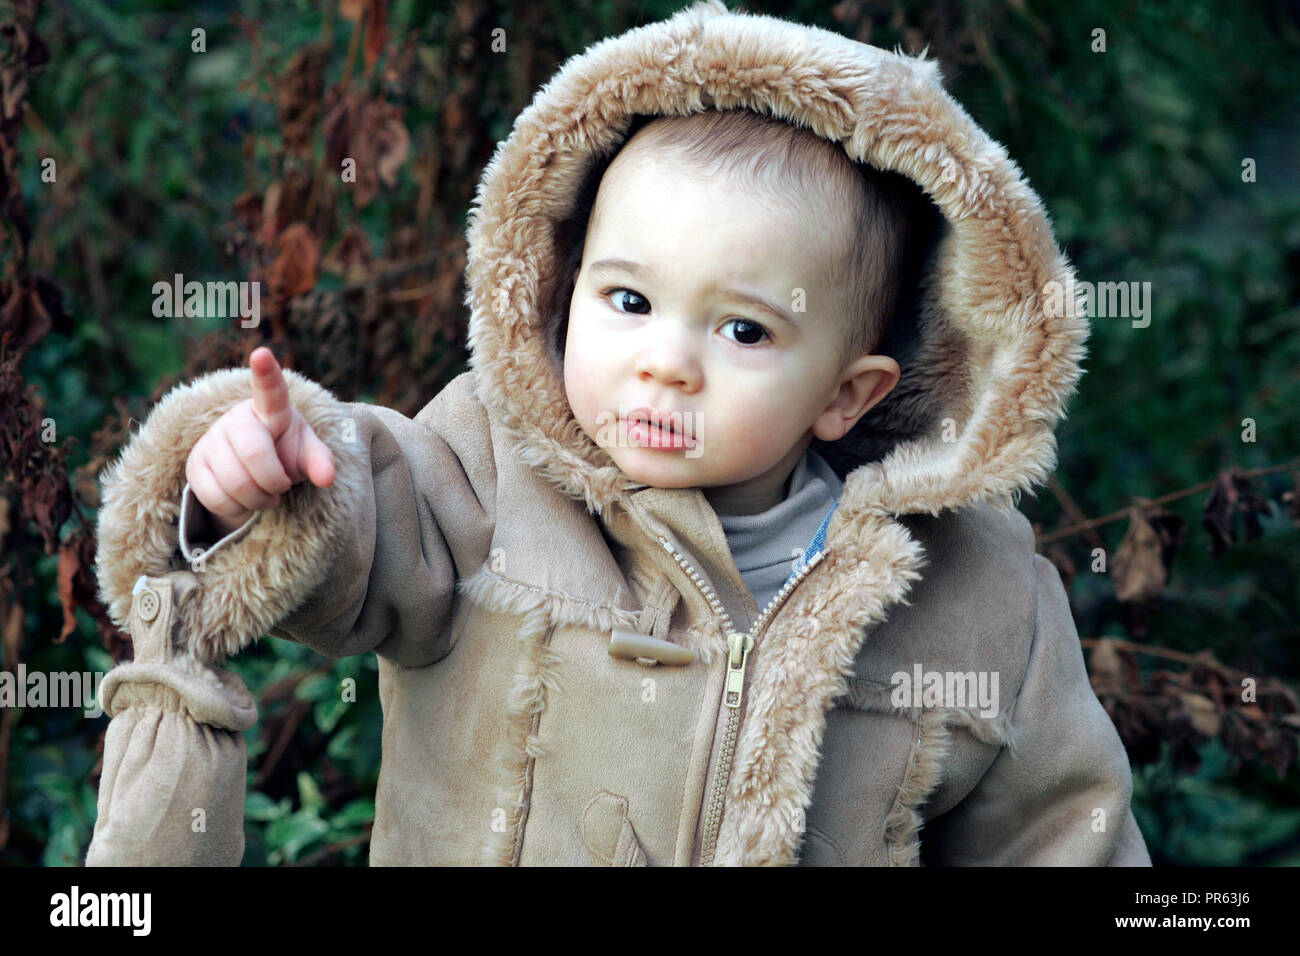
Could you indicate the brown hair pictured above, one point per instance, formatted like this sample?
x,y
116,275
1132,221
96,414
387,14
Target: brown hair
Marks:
x,y
794,165
889,220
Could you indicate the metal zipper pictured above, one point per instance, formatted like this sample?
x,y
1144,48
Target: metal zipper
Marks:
x,y
738,649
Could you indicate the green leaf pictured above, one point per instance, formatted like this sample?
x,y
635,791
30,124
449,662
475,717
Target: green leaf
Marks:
x,y
290,836
259,806
342,746
328,713
357,813
65,844
317,688
309,793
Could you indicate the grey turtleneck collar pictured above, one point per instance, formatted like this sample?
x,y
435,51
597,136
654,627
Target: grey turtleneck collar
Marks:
x,y
764,545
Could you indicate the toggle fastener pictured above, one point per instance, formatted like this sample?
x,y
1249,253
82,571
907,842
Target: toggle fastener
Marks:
x,y
633,645
145,599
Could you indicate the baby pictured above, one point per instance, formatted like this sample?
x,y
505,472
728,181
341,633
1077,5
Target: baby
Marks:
x,y
703,559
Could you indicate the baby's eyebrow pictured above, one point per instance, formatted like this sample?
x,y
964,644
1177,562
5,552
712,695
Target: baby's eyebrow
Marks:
x,y
623,265
752,299
762,303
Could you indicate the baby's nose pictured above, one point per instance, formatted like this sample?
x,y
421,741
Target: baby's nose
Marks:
x,y
670,359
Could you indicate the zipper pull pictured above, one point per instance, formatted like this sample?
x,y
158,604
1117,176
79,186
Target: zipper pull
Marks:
x,y
739,645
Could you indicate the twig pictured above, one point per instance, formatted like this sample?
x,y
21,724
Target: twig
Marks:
x,y
331,848
1092,642
1189,659
407,295
7,592
395,273
1074,511
296,715
354,41
1163,499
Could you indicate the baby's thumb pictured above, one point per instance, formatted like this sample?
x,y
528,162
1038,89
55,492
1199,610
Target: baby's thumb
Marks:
x,y
315,460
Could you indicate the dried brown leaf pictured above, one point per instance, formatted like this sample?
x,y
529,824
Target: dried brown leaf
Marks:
x,y
23,317
1140,724
1217,515
1112,670
271,218
1277,748
1232,494
300,95
1201,713
294,271
1138,565
11,637
393,146
351,254
376,31
69,566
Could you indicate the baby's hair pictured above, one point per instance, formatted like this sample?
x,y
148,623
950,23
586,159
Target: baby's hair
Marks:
x,y
792,164
892,223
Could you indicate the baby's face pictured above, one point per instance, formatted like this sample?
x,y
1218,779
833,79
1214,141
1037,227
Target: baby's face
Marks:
x,y
666,314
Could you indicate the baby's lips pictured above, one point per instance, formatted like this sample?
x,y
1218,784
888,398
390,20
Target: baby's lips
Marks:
x,y
666,425
669,419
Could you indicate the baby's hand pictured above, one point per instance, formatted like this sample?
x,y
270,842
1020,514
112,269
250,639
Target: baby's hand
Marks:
x,y
256,451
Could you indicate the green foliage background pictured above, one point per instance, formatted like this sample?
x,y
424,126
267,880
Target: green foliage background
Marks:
x,y
1137,153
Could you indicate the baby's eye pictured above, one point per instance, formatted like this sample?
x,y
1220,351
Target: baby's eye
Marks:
x,y
749,329
636,297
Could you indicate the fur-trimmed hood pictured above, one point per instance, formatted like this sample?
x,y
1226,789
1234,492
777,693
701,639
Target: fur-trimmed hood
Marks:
x,y
985,372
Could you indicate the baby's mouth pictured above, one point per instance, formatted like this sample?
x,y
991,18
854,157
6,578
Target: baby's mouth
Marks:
x,y
645,431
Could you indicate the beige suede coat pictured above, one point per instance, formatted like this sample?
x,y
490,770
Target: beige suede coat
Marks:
x,y
563,664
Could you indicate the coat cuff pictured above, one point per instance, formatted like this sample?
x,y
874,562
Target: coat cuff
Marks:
x,y
195,536
263,570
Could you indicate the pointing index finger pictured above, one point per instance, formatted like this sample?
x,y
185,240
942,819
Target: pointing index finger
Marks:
x,y
270,392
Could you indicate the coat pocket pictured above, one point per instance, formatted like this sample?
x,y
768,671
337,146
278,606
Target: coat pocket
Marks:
x,y
821,850
608,833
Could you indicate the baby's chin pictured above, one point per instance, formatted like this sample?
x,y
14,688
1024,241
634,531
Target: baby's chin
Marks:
x,y
659,468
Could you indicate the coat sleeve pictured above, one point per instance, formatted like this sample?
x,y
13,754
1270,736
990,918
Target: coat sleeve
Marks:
x,y
1059,794
368,563
171,788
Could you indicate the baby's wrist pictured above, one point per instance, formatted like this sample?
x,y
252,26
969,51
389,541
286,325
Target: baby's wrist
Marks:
x,y
221,525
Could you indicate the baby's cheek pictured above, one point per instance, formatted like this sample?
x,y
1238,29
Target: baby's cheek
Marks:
x,y
741,425
772,426
581,386
761,414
